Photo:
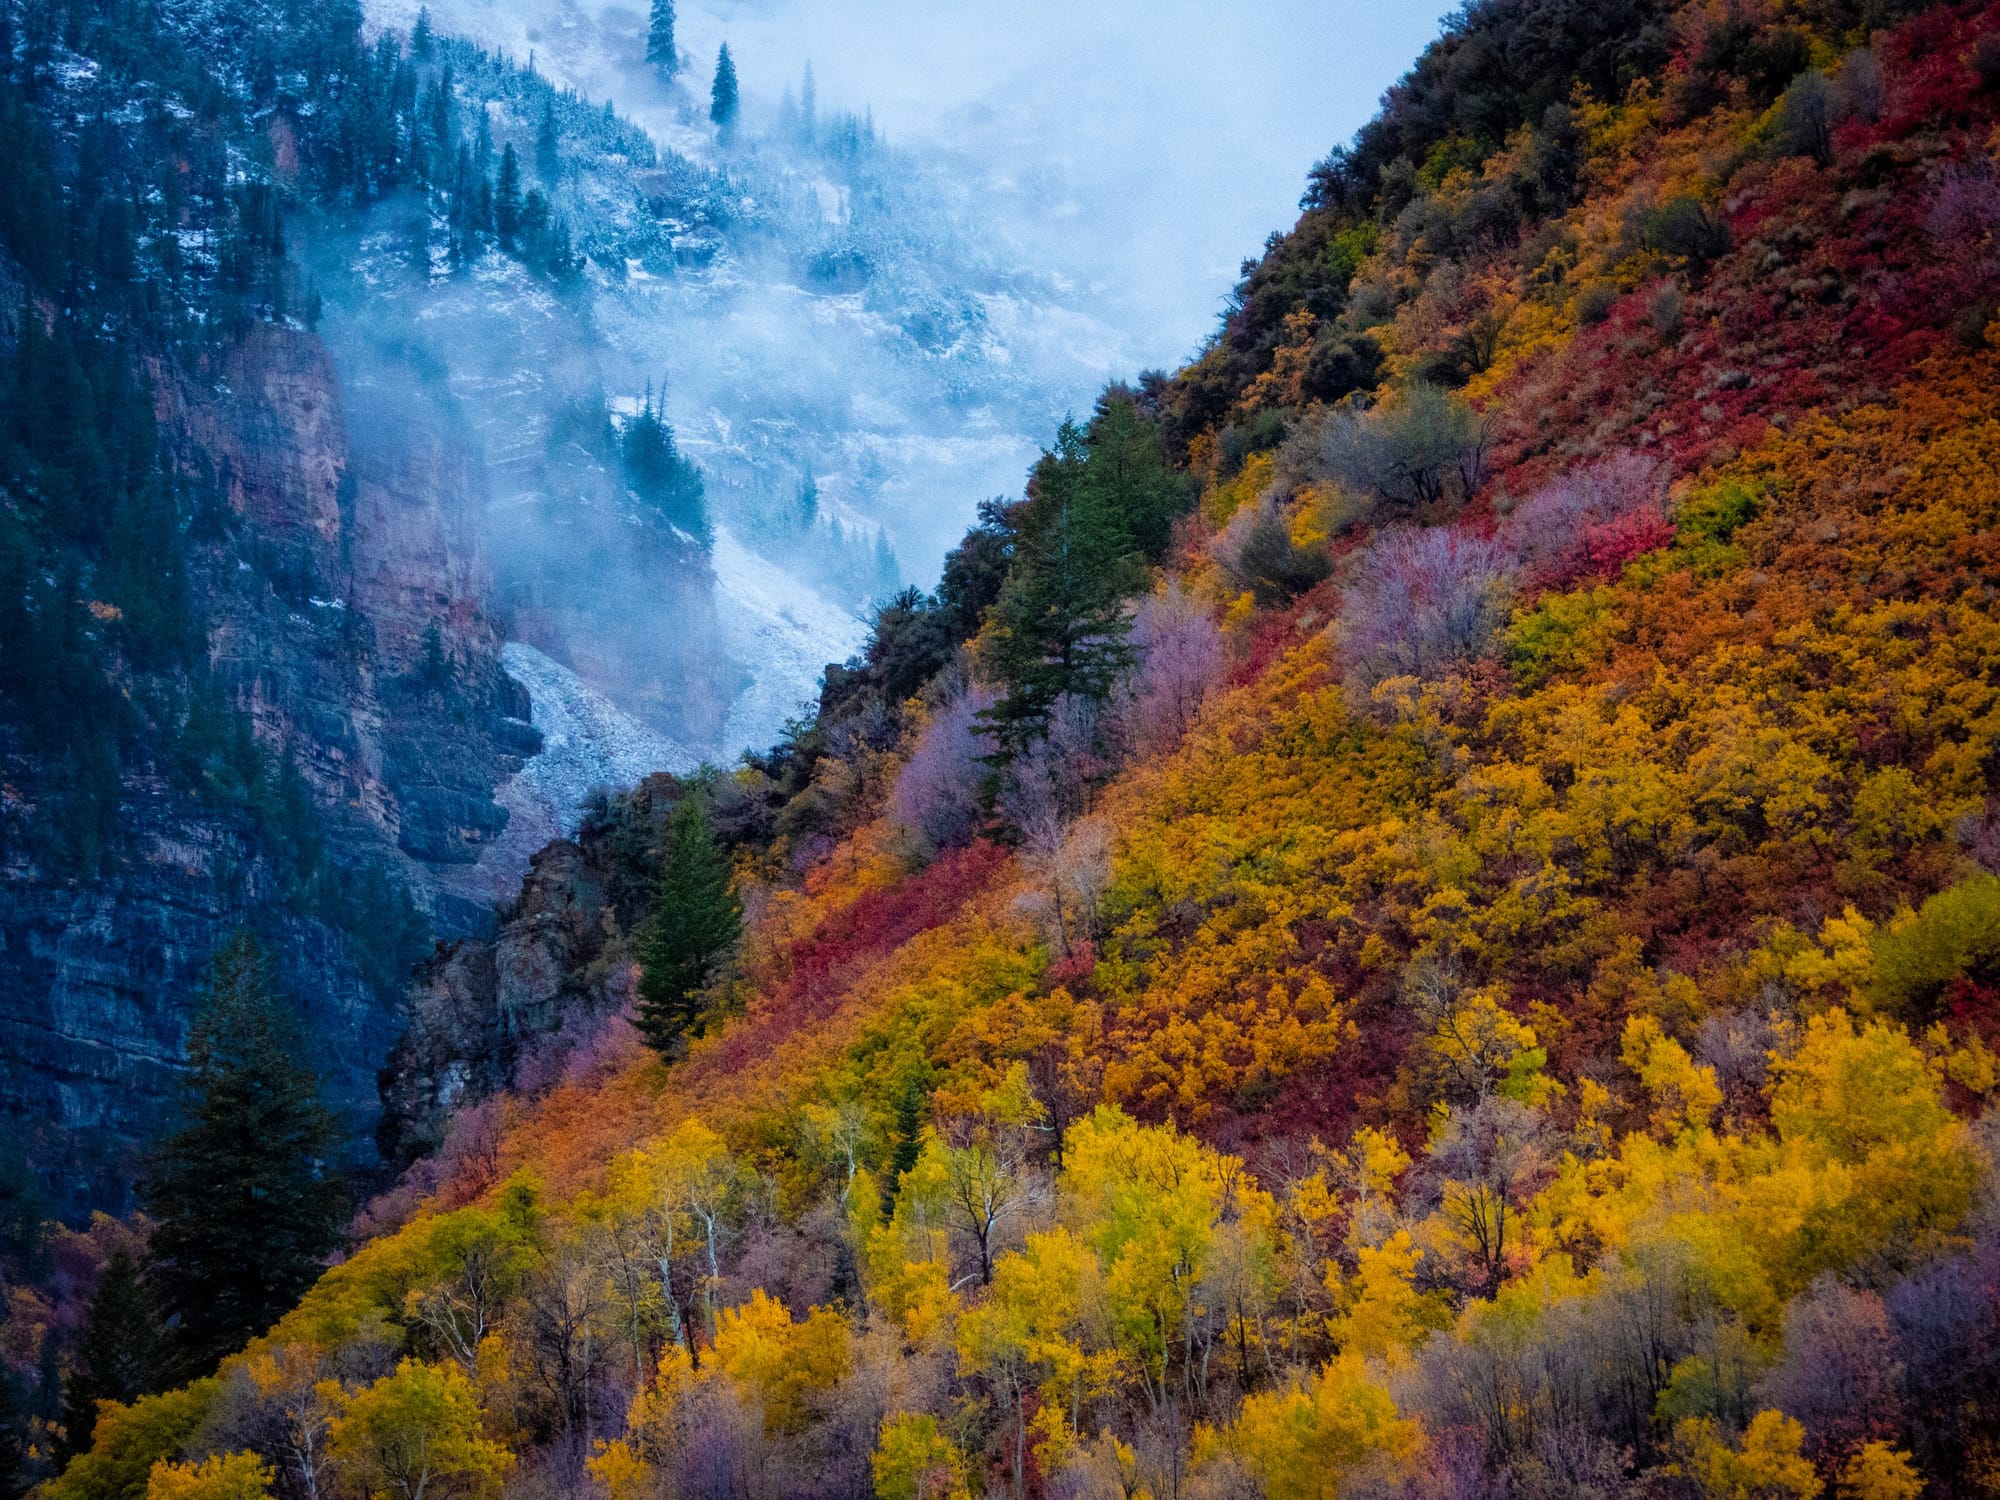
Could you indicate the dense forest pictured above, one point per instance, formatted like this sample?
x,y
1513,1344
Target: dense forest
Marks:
x,y
1419,916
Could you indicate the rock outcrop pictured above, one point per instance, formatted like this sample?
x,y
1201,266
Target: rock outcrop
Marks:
x,y
485,1014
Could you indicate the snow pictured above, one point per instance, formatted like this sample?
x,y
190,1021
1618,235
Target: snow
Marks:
x,y
587,742
785,634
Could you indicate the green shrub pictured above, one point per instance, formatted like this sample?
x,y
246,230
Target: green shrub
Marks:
x,y
1955,933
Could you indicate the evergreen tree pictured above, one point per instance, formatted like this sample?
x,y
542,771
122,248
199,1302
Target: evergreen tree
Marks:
x,y
696,919
808,106
420,37
808,503
659,475
661,49
118,1354
507,198
723,104
247,1202
1129,469
1059,626
548,155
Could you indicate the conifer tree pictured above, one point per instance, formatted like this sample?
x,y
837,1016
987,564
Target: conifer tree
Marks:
x,y
1059,626
118,1353
1129,470
661,49
659,475
420,36
247,1201
723,104
548,152
808,105
696,919
507,198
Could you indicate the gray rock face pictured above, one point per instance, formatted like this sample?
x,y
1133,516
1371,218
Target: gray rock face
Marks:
x,y
346,596
486,1013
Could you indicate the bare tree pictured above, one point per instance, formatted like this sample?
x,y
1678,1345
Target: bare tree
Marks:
x,y
1426,601
986,1181
938,796
1180,662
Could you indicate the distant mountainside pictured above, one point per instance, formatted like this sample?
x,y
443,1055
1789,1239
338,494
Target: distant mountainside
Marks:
x,y
326,356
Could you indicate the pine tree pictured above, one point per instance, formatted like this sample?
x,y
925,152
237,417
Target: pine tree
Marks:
x,y
1129,470
661,49
548,146
247,1202
808,503
659,475
696,919
723,104
1059,626
808,106
118,1354
420,37
507,198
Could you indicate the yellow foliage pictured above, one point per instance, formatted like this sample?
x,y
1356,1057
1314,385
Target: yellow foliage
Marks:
x,y
223,1476
913,1460
1387,1315
623,1474
416,1430
1767,1466
1685,1095
1879,1472
778,1363
1303,1442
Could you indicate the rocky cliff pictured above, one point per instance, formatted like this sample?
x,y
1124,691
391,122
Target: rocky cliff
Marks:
x,y
345,588
515,1009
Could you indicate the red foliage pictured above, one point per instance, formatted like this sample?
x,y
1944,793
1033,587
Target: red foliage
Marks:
x,y
1604,549
824,964
1831,292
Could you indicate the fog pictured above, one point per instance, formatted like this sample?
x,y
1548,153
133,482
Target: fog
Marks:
x,y
1142,150
999,209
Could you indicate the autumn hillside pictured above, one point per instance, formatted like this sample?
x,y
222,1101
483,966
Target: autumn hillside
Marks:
x,y
1420,917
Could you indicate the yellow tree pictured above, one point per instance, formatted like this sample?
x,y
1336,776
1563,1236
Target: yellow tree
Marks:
x,y
416,1433
915,1461
1303,1442
223,1476
1029,1334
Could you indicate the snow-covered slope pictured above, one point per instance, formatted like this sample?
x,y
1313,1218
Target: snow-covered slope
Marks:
x,y
786,630
587,742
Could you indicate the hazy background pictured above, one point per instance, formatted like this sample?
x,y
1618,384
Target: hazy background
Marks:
x,y
1142,150
1064,194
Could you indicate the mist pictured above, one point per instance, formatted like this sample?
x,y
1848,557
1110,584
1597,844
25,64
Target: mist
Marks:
x,y
860,327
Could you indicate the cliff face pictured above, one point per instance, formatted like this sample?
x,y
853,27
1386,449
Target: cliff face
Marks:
x,y
513,1009
345,588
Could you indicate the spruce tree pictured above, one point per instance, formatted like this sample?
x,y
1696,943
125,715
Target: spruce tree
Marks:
x,y
659,475
1129,470
507,199
1059,625
548,150
723,103
696,919
118,1354
661,49
247,1203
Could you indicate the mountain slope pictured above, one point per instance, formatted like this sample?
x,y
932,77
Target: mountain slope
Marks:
x,y
1497,997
